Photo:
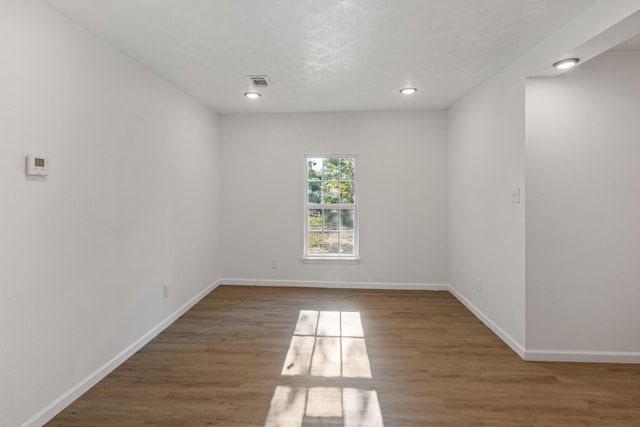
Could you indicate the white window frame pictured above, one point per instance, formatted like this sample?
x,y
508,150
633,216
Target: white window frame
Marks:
x,y
331,258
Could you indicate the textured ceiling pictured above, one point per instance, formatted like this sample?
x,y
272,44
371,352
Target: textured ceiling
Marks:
x,y
323,55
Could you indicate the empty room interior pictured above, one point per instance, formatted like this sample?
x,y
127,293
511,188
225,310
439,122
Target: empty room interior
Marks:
x,y
319,212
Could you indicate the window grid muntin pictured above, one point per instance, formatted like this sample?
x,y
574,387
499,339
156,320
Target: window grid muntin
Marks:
x,y
340,229
319,205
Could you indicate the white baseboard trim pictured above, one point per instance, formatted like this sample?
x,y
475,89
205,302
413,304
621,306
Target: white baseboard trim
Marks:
x,y
525,354
51,410
342,285
508,339
582,356
76,391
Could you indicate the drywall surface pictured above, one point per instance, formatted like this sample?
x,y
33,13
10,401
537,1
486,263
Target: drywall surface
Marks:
x,y
486,230
486,161
583,209
402,194
131,203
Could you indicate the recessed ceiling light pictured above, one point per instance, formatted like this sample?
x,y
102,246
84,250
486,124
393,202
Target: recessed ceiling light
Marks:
x,y
408,90
565,64
252,95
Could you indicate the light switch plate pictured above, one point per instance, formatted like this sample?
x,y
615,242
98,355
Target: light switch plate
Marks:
x,y
515,195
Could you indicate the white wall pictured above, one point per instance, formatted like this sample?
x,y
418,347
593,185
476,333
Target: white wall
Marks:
x,y
131,202
583,210
133,199
487,160
486,230
402,194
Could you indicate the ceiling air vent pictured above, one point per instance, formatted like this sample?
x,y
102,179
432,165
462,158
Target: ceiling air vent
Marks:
x,y
259,81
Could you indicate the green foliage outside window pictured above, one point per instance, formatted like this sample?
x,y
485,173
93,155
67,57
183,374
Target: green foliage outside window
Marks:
x,y
331,180
331,189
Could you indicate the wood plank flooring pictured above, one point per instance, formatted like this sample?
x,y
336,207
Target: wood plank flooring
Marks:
x,y
431,363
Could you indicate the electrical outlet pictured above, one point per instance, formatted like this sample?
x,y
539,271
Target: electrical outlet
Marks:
x,y
479,286
166,290
274,262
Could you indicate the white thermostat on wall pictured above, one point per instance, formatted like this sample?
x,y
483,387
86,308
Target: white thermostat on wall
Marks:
x,y
37,165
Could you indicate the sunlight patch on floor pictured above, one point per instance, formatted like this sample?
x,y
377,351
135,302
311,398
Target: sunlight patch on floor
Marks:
x,y
300,406
326,345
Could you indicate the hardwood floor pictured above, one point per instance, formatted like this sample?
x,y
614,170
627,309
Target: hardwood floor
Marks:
x,y
246,356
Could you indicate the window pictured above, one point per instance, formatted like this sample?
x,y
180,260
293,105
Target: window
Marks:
x,y
331,231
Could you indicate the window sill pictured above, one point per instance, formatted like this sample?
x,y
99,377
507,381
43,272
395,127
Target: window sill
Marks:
x,y
327,260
